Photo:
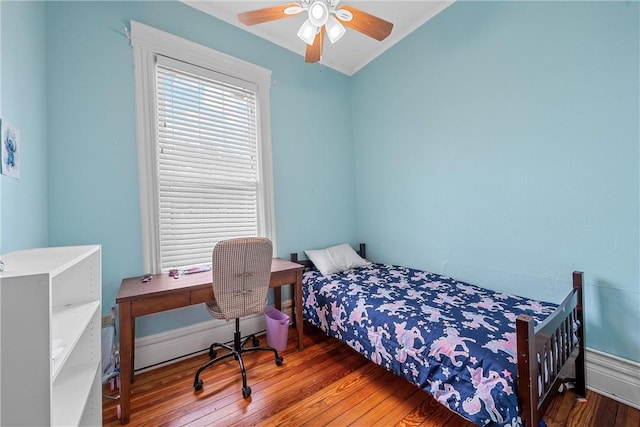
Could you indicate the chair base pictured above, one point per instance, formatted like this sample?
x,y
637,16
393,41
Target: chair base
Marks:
x,y
236,352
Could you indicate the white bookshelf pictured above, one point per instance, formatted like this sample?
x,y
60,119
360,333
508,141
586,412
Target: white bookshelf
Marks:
x,y
50,350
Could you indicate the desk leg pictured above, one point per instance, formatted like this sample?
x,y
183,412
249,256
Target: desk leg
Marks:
x,y
297,300
277,293
126,358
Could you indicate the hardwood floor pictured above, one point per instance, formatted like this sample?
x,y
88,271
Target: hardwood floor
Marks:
x,y
327,383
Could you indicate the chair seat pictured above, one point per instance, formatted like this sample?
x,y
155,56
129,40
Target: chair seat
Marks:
x,y
214,309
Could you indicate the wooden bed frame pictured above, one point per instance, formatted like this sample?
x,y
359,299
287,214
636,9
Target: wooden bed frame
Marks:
x,y
543,351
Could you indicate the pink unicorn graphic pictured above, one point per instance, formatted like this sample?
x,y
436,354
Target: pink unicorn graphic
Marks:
x,y
355,289
397,274
330,287
322,317
508,345
484,386
534,306
421,275
407,339
443,395
447,344
393,307
511,317
373,280
433,314
467,289
379,352
477,321
384,293
444,298
488,304
359,312
338,314
435,284
311,299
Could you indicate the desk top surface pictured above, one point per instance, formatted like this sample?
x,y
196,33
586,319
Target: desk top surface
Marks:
x,y
133,288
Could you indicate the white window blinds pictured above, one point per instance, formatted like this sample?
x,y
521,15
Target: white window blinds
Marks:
x,y
208,178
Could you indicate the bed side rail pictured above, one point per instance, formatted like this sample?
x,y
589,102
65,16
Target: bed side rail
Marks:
x,y
545,350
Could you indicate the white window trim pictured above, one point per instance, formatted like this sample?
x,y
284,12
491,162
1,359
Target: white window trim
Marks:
x,y
147,42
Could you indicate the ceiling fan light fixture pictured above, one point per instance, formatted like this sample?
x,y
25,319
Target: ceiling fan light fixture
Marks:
x,y
344,15
335,30
293,10
307,32
318,13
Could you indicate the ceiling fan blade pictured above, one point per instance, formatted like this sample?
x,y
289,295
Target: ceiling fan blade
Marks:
x,y
368,24
314,51
259,16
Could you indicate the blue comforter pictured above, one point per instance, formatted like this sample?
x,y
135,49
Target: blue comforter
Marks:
x,y
452,339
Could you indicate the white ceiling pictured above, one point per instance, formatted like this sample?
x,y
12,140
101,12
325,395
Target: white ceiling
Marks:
x,y
354,50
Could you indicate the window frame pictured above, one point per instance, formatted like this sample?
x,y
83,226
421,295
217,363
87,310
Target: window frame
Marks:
x,y
148,42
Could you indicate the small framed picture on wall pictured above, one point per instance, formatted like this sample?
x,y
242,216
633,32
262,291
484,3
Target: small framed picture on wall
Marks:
x,y
11,150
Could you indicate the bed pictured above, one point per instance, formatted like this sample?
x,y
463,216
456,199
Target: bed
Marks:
x,y
491,357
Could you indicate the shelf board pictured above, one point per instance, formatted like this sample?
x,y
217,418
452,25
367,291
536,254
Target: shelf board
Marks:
x,y
67,325
71,393
50,261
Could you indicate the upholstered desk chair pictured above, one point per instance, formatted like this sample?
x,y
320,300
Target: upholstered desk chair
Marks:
x,y
241,271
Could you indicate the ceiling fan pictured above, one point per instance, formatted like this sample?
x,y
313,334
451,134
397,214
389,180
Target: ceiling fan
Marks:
x,y
323,16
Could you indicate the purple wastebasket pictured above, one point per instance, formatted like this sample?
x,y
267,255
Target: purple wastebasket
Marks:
x,y
277,328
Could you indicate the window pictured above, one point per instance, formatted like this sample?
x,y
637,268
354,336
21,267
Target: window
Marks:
x,y
204,149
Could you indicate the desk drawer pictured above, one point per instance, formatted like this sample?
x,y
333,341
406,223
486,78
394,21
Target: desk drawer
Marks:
x,y
160,303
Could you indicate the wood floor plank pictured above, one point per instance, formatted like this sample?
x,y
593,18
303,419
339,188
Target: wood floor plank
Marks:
x,y
401,409
313,405
391,402
627,417
559,409
280,397
215,403
583,414
370,386
437,415
606,410
369,404
326,384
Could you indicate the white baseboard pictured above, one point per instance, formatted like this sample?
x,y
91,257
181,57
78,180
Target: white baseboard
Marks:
x,y
161,349
608,375
614,377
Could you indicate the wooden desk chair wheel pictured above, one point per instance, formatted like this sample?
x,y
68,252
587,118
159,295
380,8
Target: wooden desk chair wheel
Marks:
x,y
241,272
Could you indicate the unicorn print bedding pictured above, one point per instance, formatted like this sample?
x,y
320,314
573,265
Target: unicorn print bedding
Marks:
x,y
452,339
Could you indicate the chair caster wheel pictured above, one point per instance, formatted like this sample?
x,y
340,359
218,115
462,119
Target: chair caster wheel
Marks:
x,y
256,342
279,360
197,386
246,392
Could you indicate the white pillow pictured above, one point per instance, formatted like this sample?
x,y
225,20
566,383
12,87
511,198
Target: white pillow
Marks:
x,y
335,259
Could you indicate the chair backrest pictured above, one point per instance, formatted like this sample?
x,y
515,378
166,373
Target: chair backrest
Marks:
x,y
241,273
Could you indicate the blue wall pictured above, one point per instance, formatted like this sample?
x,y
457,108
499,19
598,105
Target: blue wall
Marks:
x,y
93,175
498,144
505,151
23,202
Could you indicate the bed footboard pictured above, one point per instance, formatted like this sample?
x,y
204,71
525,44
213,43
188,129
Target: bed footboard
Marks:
x,y
544,351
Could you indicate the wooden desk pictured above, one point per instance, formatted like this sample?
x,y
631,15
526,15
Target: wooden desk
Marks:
x,y
136,298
